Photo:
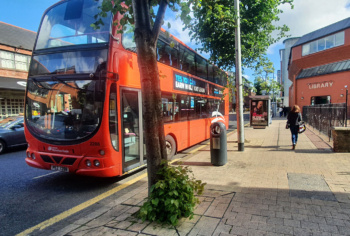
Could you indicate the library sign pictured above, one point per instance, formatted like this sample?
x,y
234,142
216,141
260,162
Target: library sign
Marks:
x,y
188,84
319,85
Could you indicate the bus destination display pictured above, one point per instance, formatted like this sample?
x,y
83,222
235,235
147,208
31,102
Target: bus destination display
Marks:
x,y
185,83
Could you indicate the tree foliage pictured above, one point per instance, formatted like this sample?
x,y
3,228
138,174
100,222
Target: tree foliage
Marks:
x,y
269,86
214,25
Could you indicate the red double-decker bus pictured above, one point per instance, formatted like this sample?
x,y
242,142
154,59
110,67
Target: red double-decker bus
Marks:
x,y
83,102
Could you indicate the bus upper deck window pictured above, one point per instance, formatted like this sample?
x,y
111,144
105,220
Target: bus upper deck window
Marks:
x,y
73,10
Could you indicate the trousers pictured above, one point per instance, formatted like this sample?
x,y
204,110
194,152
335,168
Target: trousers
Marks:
x,y
294,130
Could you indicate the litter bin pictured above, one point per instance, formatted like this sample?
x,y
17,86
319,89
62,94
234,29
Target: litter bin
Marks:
x,y
218,144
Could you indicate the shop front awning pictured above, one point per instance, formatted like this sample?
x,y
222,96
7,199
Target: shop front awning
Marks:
x,y
12,83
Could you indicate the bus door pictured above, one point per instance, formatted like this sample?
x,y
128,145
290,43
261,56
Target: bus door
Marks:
x,y
132,130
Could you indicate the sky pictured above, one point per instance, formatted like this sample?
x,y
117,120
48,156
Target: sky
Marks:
x,y
307,16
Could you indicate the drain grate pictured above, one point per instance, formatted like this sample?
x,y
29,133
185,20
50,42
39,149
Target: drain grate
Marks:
x,y
309,186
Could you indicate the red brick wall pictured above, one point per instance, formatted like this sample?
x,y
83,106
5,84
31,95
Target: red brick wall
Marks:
x,y
301,88
326,85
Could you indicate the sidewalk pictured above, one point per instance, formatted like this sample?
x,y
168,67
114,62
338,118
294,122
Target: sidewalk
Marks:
x,y
268,189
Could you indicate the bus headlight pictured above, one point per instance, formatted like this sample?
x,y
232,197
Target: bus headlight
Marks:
x,y
28,154
33,156
102,152
97,163
88,163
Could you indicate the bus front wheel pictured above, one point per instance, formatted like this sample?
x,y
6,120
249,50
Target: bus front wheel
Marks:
x,y
170,145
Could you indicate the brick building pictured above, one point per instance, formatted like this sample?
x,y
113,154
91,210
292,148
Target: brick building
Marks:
x,y
16,45
319,66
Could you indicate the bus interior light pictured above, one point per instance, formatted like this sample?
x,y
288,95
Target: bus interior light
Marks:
x,y
96,163
88,163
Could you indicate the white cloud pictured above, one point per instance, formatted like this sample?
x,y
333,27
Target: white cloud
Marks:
x,y
176,30
311,15
176,27
306,17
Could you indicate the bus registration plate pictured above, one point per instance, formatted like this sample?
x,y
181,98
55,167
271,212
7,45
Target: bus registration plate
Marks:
x,y
60,168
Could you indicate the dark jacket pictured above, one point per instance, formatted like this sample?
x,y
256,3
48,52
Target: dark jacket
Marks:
x,y
294,118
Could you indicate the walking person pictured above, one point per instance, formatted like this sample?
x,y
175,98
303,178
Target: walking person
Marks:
x,y
280,110
285,111
293,119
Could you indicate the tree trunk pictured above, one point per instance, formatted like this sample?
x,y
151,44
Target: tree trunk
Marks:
x,y
146,41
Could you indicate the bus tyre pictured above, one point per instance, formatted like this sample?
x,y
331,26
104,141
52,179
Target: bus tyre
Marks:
x,y
2,147
170,145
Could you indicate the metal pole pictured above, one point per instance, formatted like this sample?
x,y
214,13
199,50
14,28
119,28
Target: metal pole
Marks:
x,y
239,84
346,107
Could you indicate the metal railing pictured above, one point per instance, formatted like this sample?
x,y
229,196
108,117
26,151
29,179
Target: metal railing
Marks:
x,y
325,116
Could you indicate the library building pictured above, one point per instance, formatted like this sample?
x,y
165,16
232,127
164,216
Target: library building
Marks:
x,y
319,66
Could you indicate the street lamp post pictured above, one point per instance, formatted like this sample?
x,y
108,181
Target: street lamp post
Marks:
x,y
346,106
239,83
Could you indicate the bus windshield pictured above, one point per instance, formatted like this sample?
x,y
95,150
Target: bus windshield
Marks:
x,y
68,24
64,110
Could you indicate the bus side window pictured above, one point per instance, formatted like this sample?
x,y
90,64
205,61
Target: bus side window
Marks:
x,y
202,69
210,72
183,106
187,60
170,107
163,52
192,108
201,108
174,58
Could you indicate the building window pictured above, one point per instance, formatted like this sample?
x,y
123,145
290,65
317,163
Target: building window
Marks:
x,y
320,100
324,43
11,107
14,61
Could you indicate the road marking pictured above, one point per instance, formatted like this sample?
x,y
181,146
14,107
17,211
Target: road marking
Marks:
x,y
201,146
80,207
46,175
